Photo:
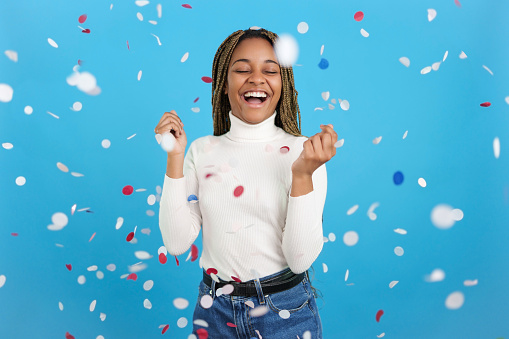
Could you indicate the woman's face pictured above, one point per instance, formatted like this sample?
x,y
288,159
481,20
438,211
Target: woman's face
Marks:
x,y
254,81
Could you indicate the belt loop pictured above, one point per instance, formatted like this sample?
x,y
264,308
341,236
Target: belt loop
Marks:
x,y
213,289
261,297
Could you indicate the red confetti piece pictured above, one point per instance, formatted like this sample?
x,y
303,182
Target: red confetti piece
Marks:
x,y
128,45
284,149
211,270
82,18
86,31
231,325
92,237
208,175
238,191
208,80
165,329
132,276
186,6
128,190
236,279
195,100
79,62
486,104
69,266
358,16
14,234
379,314
457,3
69,335
194,252
130,236
202,333
162,258
177,260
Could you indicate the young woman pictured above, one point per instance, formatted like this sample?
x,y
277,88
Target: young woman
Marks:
x,y
258,188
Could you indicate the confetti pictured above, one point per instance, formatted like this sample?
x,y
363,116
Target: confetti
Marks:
x,y
486,104
345,105
258,311
398,250
92,237
287,50
443,216
457,3
86,30
147,304
379,315
60,306
377,140
324,64
435,66
352,210
158,40
346,274
184,58
364,33
325,268
358,16
159,10
302,27
6,93
371,209
3,278
12,55
405,61
195,109
165,329
421,182
77,106
466,282
182,322
381,335
196,100
28,110
393,283
496,147
206,301
132,276
187,6
454,300
141,3
142,255
321,49
102,316
162,258
463,55
426,70
20,181
194,252
92,305
207,80
285,314
139,75
69,267
238,192
202,333
68,336
81,279
211,270
52,43
350,238
153,22
398,178
431,14
445,55
128,190
128,45
436,275
82,18
180,303
400,231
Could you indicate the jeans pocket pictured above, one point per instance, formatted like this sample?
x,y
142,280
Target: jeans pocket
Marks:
x,y
291,300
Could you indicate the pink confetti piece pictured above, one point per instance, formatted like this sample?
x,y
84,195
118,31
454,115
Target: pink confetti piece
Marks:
x,y
379,315
69,267
132,276
79,62
82,18
486,104
177,260
207,80
284,150
128,190
128,45
14,234
130,236
358,16
92,237
195,100
236,279
69,335
211,270
457,3
162,258
86,30
165,329
194,252
208,175
238,191
202,333
187,6
231,324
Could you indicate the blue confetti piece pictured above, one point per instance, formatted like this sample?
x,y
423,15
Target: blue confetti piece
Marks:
x,y
398,178
323,64
192,197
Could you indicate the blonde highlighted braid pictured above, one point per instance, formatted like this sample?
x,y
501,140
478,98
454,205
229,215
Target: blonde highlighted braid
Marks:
x,y
287,108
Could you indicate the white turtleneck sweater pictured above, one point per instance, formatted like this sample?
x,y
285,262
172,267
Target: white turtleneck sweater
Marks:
x,y
237,187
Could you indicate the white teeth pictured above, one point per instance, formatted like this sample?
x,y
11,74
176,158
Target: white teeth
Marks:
x,y
255,94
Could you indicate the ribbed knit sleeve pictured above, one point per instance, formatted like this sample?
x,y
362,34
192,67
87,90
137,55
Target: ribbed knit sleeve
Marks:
x,y
303,233
180,217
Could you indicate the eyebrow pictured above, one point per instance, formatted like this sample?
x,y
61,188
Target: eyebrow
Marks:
x,y
247,60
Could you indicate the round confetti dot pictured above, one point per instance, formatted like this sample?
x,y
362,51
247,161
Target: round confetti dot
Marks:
x,y
302,27
345,105
436,275
350,238
398,178
442,216
151,199
287,50
182,322
82,18
81,279
106,143
147,285
99,275
358,16
180,303
324,64
20,181
421,182
28,110
332,237
77,106
285,314
398,250
206,301
147,304
60,306
162,258
238,192
111,267
455,300
59,219
128,190
6,93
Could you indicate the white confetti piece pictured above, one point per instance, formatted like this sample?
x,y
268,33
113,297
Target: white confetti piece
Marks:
x,y
421,182
443,217
350,238
381,335
331,107
28,110
167,141
92,268
53,115
120,222
81,279
102,316
463,55
486,68
507,100
405,134
137,267
99,275
180,303
436,275
3,278
377,140
162,249
184,57
306,335
52,42
426,70
111,267
364,33
405,61
131,136
339,143
153,22
141,3
345,105
151,199
6,93
92,305
200,322
346,274
371,210
332,237
147,285
77,106
195,109
60,306
325,95
318,109
325,268
285,314
496,147
321,49
258,311
13,55
139,16
105,143
249,303
139,75
20,181
445,55
435,66
393,283
400,231
60,219
398,250
182,322
206,301
352,210
470,282
431,14
7,145
454,300
142,255
287,50
302,27
158,40
159,10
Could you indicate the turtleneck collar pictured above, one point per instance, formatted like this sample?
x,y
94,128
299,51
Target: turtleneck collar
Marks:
x,y
243,132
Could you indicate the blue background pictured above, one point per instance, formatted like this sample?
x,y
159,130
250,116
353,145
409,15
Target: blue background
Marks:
x,y
449,143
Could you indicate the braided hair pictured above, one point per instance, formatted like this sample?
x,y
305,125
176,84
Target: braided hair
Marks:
x,y
287,108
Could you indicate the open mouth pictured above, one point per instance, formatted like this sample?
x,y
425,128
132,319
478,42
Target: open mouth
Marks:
x,y
255,99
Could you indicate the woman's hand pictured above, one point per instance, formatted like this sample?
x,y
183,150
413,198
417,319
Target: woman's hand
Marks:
x,y
171,123
318,149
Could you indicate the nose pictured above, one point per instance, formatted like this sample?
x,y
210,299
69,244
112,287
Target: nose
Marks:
x,y
256,77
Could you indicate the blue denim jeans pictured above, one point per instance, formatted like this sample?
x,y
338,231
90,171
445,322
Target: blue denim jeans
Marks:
x,y
298,300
